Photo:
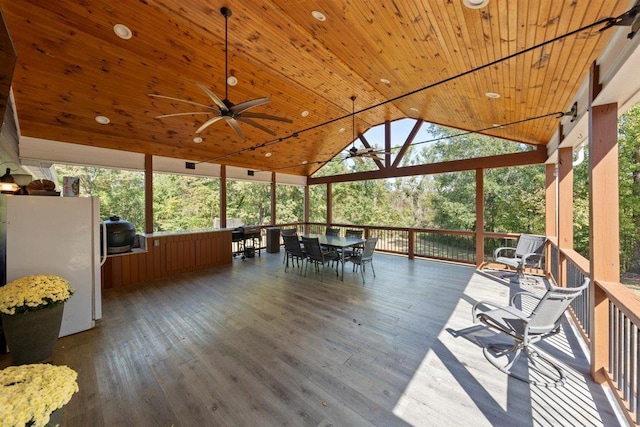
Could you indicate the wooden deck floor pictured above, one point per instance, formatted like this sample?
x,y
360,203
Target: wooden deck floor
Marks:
x,y
251,345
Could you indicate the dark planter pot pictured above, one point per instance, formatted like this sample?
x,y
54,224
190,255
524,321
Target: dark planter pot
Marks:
x,y
32,336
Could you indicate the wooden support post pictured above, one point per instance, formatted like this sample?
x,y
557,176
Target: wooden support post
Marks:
x,y
273,198
148,193
412,244
479,218
223,196
604,228
329,204
565,208
551,209
306,209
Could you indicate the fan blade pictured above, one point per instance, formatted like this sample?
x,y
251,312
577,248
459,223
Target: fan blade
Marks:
x,y
359,159
161,116
255,124
244,106
208,123
235,126
266,117
213,97
180,100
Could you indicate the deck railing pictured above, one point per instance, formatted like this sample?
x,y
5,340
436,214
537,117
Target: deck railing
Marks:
x,y
617,326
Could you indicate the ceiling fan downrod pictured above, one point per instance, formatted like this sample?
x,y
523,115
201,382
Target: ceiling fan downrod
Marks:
x,y
226,12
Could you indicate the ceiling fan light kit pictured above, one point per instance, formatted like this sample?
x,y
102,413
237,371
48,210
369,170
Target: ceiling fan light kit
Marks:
x,y
231,113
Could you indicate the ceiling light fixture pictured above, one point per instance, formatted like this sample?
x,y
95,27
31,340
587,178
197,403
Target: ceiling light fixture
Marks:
x,y
232,80
318,15
385,81
103,120
492,95
304,162
267,154
475,4
197,140
305,113
122,31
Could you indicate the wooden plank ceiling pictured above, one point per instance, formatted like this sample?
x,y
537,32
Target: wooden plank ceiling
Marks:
x,y
72,67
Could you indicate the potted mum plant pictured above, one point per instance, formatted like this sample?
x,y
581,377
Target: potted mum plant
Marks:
x,y
31,308
34,395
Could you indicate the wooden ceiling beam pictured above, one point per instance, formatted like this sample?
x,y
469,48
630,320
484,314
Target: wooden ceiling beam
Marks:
x,y
506,160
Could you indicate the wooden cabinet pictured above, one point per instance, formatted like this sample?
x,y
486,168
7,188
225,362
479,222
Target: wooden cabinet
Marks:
x,y
166,255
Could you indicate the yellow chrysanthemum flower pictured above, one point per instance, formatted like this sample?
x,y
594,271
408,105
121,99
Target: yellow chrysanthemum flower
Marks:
x,y
30,393
33,292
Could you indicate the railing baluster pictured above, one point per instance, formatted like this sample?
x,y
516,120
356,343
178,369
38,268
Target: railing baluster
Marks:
x,y
633,334
635,406
623,358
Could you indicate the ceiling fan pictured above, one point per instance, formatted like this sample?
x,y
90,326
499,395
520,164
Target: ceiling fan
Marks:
x,y
227,111
360,153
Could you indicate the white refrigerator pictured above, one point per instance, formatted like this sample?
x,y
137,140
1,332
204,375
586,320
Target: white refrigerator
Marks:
x,y
61,236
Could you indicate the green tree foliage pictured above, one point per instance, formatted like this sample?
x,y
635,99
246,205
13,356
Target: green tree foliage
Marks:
x,y
290,203
514,197
121,192
629,173
249,201
185,202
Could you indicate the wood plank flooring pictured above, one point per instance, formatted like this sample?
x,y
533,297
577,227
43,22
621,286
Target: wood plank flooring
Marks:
x,y
249,344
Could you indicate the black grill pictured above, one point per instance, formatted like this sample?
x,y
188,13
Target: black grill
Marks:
x,y
246,238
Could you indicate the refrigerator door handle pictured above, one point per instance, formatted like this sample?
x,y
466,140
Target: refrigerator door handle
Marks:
x,y
103,253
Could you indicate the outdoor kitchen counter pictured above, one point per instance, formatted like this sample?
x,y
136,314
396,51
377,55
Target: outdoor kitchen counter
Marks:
x,y
167,254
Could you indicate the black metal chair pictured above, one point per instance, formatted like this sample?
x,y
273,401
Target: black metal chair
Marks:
x,y
353,234
527,328
366,256
330,231
316,255
292,250
287,232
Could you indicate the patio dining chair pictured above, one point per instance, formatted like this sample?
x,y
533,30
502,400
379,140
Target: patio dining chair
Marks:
x,y
292,250
353,234
330,231
287,232
316,255
527,253
364,257
527,328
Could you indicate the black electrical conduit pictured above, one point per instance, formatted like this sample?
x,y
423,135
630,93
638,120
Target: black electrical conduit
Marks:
x,y
609,21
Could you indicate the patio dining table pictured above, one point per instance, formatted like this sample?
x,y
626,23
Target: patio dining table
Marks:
x,y
338,243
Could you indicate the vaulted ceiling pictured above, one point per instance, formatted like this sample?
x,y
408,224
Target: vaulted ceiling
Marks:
x,y
434,60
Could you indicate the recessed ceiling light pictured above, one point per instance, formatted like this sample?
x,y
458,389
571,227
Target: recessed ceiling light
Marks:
x,y
103,120
197,140
304,162
342,130
232,80
267,154
385,81
475,4
492,95
414,109
122,31
305,113
319,16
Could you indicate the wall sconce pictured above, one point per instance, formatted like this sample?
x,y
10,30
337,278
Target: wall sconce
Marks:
x,y
8,183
